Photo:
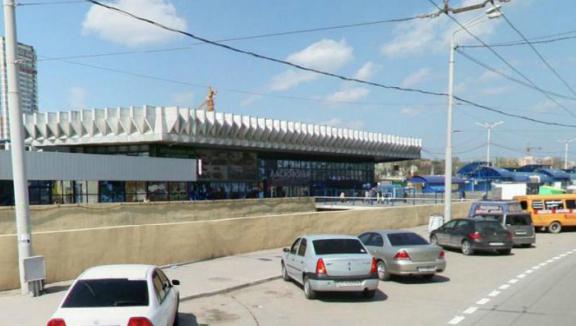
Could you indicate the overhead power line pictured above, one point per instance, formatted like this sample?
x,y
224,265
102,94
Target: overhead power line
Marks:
x,y
252,37
501,58
552,38
320,72
513,79
539,55
235,90
49,3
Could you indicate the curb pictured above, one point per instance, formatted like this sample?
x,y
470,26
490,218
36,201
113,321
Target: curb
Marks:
x,y
230,289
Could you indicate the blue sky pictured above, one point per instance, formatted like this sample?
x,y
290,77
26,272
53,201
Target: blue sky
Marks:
x,y
412,54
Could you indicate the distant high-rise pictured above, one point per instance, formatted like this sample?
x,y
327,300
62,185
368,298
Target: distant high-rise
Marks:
x,y
28,84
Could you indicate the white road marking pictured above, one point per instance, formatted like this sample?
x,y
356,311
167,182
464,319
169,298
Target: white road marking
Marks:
x,y
543,264
504,287
536,267
470,310
513,281
456,320
483,301
493,293
521,276
550,261
529,271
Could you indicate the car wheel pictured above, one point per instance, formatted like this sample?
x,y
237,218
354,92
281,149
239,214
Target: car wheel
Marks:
x,y
383,273
467,248
308,291
434,240
285,276
555,227
504,251
369,294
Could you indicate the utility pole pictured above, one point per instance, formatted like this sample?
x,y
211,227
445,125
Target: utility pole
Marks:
x,y
566,142
489,126
17,143
492,12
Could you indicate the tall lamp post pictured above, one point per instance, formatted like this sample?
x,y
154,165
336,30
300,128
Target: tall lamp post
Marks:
x,y
489,127
493,12
22,210
566,142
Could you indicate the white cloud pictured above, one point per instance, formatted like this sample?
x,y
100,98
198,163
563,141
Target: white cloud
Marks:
x,y
121,29
417,77
327,54
348,95
366,71
249,100
420,37
77,98
410,111
348,124
545,107
185,98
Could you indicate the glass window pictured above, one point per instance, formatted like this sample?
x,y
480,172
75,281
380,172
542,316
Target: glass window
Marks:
x,y
302,248
365,238
554,204
107,293
112,191
406,239
538,204
135,191
488,226
294,246
338,246
178,191
159,288
571,204
377,240
158,191
519,219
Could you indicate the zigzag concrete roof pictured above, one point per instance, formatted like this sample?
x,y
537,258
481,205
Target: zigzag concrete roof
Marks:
x,y
201,128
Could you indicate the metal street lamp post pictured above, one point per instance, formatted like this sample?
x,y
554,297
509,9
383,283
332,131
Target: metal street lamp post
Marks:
x,y
493,12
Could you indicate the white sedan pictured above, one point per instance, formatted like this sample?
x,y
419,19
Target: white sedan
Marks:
x,y
119,295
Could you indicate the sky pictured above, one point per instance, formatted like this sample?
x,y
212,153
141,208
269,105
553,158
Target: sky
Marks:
x,y
411,54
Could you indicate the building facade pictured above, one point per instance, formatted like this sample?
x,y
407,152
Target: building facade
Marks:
x,y
237,156
27,81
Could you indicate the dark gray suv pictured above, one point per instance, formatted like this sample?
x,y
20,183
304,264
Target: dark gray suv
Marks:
x,y
472,235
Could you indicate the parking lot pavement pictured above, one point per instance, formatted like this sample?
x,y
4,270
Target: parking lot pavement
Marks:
x,y
450,299
231,291
197,280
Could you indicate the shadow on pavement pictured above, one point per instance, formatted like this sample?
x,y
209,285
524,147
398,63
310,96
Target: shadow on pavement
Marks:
x,y
347,297
56,289
185,319
420,280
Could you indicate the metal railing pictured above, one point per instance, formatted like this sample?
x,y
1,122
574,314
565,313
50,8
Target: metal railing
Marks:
x,y
339,202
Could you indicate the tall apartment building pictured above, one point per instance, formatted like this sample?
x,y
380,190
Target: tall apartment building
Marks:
x,y
27,80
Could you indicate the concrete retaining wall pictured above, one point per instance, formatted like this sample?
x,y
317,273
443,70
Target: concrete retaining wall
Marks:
x,y
68,253
66,217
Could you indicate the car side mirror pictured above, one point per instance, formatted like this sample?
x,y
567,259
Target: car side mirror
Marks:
x,y
286,249
175,282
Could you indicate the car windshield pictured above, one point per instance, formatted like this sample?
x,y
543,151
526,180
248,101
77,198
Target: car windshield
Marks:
x,y
519,219
488,226
406,239
491,217
338,246
107,293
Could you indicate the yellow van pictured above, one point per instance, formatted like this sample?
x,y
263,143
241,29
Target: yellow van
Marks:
x,y
550,212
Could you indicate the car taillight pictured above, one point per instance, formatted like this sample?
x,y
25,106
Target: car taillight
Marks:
x,y
475,236
56,322
139,321
402,255
321,267
442,254
374,266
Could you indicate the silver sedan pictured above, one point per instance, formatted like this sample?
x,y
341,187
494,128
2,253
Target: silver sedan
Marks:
x,y
403,253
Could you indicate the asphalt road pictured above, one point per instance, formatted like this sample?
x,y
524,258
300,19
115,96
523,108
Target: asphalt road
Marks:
x,y
533,286
485,289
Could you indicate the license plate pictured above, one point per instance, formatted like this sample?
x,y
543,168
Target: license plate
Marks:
x,y
496,244
347,284
521,233
427,269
